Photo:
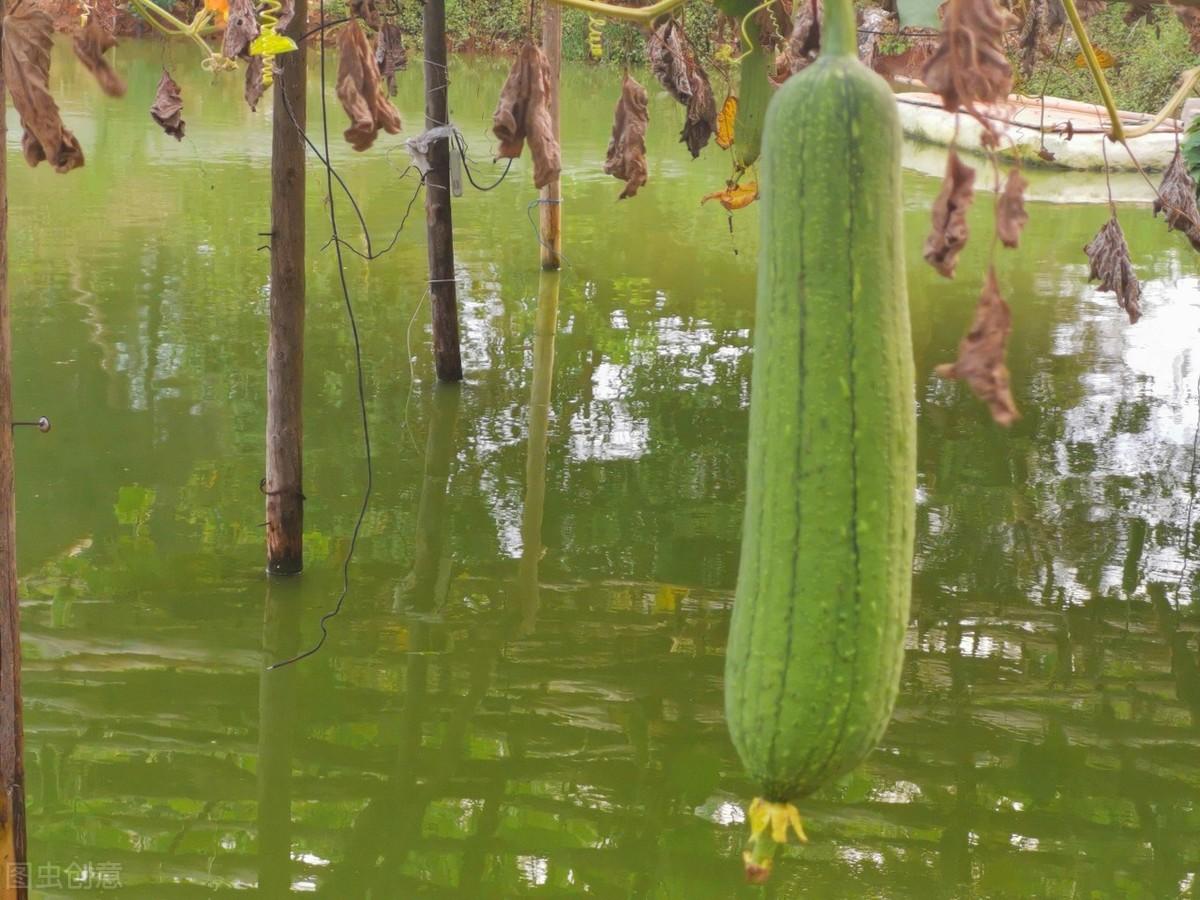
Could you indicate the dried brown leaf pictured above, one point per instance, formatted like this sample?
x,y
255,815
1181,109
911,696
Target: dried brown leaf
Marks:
x,y
365,10
701,119
626,158
240,30
254,88
523,114
390,54
970,66
981,354
1010,209
669,60
1109,256
1189,18
949,232
27,38
360,89
1177,197
805,42
91,43
167,110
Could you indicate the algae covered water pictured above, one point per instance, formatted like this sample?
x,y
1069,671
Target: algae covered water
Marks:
x,y
523,693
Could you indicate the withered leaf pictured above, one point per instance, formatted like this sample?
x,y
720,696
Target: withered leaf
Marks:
x,y
523,114
1177,197
1045,154
91,43
804,45
167,110
1189,17
626,158
669,60
735,196
1010,209
390,54
726,122
240,31
365,10
970,66
1109,256
701,119
254,83
948,234
360,89
981,354
26,50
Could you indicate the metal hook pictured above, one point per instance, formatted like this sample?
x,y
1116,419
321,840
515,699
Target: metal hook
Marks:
x,y
42,424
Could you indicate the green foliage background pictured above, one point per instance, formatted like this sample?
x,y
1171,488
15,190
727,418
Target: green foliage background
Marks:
x,y
1149,58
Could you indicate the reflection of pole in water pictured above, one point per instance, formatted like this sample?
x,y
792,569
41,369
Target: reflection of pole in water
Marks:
x,y
425,586
276,719
545,328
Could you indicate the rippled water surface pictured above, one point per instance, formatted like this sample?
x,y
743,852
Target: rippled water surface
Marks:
x,y
523,693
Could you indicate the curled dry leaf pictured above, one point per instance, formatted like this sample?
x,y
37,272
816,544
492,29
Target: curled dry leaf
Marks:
x,y
701,119
240,31
91,43
1189,18
804,45
365,10
27,38
736,196
970,66
949,232
626,158
981,354
1177,197
1042,18
1109,256
360,89
390,55
523,114
669,61
254,88
726,121
167,110
1010,209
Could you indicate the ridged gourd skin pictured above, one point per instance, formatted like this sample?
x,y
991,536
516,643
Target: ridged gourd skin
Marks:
x,y
817,637
754,94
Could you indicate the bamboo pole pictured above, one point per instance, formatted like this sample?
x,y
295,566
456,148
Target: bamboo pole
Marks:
x,y
551,205
13,858
439,226
545,329
285,344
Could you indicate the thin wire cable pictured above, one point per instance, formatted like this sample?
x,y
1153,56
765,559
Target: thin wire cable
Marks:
x,y
362,389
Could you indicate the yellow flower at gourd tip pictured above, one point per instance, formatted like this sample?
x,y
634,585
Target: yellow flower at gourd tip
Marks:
x,y
220,7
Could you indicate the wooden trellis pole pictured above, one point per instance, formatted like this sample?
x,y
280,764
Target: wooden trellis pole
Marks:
x,y
13,858
439,226
285,343
551,205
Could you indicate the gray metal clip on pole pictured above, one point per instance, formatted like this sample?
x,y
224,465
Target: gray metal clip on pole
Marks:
x,y
42,424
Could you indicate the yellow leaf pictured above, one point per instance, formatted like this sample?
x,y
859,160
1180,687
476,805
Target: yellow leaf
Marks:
x,y
725,121
736,197
220,7
1106,59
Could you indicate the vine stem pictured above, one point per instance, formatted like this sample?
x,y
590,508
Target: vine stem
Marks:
x,y
1117,133
642,15
1190,78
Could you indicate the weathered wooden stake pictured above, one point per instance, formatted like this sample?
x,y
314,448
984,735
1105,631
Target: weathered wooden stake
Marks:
x,y
285,344
439,227
551,205
13,861
545,330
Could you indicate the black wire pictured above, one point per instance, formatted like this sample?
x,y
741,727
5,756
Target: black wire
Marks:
x,y
362,390
462,151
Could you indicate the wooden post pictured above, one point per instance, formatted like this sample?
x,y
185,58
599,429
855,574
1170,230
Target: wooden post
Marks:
x,y
551,205
439,227
545,329
14,871
285,344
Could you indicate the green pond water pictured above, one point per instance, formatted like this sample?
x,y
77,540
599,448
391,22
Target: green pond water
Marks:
x,y
523,693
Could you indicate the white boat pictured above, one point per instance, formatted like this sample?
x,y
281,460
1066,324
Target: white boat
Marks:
x,y
1077,139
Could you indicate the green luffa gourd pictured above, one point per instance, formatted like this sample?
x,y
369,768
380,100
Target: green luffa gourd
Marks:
x,y
817,637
